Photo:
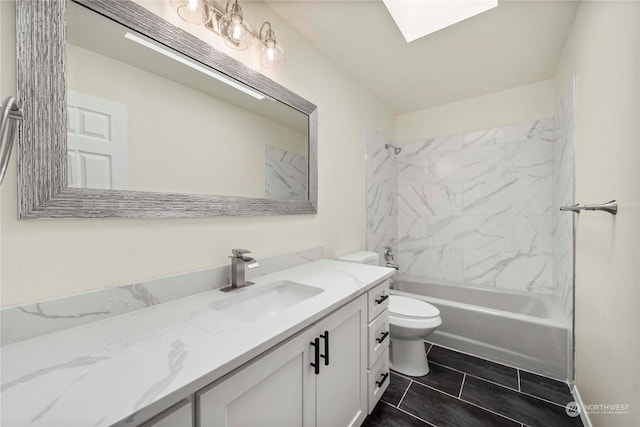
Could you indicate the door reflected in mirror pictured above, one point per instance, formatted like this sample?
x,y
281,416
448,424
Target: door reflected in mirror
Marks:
x,y
144,117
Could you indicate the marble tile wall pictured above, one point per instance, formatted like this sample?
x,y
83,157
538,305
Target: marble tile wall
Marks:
x,y
286,175
26,321
477,208
480,208
381,178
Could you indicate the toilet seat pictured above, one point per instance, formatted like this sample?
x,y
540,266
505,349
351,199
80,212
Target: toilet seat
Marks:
x,y
411,308
406,314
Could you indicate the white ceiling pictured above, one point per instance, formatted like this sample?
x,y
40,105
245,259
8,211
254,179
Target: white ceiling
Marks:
x,y
514,44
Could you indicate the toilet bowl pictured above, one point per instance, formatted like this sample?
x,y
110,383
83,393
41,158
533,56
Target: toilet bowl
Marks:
x,y
410,320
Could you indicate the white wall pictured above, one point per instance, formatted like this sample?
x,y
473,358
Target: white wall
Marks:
x,y
44,259
603,52
507,107
182,150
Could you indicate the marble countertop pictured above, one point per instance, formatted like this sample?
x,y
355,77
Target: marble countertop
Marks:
x,y
104,372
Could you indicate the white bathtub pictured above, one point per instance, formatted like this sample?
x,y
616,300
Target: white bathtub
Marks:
x,y
525,331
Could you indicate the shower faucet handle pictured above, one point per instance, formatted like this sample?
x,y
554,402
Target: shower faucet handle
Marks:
x,y
388,254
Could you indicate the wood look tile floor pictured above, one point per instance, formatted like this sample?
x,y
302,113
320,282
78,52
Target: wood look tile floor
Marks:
x,y
467,391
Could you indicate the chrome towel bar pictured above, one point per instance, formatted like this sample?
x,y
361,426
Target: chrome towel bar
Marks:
x,y
611,207
10,113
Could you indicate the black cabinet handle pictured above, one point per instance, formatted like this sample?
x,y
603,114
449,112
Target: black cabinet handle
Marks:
x,y
382,337
316,357
383,379
381,299
325,356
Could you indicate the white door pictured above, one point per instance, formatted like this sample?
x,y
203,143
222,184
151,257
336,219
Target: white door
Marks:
x,y
97,146
341,387
275,391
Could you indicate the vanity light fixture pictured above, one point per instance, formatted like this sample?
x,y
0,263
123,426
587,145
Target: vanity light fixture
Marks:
x,y
234,27
270,53
192,64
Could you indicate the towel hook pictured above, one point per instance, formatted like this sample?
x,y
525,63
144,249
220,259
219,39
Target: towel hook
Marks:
x,y
11,113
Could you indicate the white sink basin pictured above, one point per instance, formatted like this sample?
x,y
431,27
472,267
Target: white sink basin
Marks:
x,y
252,304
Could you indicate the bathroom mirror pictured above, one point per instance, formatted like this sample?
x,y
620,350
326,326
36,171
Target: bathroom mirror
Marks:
x,y
127,115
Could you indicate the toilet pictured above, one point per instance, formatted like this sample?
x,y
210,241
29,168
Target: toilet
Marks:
x,y
410,321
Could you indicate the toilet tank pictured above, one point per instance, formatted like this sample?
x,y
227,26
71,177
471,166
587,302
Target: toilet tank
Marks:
x,y
362,257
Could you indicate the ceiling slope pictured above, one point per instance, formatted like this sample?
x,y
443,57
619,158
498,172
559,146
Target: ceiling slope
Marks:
x,y
514,44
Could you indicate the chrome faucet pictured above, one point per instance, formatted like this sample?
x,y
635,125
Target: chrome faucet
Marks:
x,y
238,263
388,258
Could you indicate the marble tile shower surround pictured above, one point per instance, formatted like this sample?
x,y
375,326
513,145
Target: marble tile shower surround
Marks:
x,y
286,175
31,320
477,207
381,177
480,207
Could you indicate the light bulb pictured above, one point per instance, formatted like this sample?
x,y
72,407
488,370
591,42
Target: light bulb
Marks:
x,y
193,11
236,28
271,55
237,32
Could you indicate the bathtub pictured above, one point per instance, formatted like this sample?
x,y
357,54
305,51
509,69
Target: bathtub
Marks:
x,y
526,331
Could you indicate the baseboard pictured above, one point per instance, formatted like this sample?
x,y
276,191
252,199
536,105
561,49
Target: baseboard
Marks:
x,y
584,416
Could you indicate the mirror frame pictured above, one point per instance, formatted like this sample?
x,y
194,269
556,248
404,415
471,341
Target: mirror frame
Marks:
x,y
42,90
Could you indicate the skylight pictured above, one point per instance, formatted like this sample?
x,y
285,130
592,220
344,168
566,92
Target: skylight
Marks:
x,y
417,18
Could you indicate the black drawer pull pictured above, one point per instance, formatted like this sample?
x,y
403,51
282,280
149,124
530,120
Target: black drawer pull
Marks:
x,y
325,356
382,337
383,379
316,357
381,299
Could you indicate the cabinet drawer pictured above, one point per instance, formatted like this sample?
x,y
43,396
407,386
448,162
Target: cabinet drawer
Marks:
x,y
378,299
378,337
379,377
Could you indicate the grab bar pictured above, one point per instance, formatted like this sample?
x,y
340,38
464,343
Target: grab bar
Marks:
x,y
611,207
11,112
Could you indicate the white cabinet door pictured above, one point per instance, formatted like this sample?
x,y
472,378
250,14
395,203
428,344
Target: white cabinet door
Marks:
x,y
275,391
341,386
179,415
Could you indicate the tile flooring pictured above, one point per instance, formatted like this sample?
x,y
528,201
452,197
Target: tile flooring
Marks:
x,y
466,391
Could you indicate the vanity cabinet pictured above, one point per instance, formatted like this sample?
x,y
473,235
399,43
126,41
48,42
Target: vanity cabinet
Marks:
x,y
316,378
378,343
